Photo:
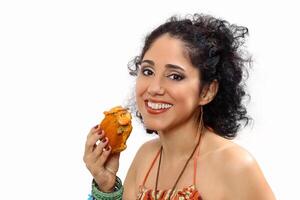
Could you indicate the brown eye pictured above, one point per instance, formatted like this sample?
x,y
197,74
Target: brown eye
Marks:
x,y
176,77
147,72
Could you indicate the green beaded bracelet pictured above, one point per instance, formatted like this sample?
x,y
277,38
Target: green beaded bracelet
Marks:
x,y
115,195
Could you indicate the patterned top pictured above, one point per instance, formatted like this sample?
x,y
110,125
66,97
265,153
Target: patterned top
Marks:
x,y
187,193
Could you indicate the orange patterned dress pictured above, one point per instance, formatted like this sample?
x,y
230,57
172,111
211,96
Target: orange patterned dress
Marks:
x,y
187,193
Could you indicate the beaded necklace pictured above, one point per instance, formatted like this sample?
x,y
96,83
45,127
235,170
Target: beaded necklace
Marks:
x,y
157,175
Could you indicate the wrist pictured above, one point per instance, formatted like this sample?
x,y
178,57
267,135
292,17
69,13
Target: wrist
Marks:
x,y
104,185
115,194
106,189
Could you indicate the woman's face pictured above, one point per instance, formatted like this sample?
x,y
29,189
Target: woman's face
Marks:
x,y
167,86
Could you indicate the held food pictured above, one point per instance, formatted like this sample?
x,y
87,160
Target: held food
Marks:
x,y
117,127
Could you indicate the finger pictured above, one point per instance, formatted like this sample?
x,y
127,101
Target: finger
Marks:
x,y
92,140
113,161
99,149
94,129
93,156
105,154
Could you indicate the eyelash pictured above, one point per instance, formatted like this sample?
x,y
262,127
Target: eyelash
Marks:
x,y
178,76
148,70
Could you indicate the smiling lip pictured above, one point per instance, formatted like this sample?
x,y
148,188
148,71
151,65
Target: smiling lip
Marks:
x,y
155,111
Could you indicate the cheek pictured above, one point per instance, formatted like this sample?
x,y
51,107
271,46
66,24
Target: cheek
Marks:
x,y
139,87
139,91
187,96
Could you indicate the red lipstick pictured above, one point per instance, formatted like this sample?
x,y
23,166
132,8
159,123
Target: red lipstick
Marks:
x,y
155,111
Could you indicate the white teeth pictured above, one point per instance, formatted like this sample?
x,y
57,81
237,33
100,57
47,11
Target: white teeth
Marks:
x,y
158,106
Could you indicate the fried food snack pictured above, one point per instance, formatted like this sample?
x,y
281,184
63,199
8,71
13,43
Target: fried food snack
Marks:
x,y
117,127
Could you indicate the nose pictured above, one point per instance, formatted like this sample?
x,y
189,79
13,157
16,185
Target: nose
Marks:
x,y
155,87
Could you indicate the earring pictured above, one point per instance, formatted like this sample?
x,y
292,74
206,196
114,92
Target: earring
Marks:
x,y
201,120
138,114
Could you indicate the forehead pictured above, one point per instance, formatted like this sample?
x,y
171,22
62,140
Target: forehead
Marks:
x,y
168,50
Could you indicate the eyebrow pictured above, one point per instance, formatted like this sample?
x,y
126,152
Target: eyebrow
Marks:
x,y
169,66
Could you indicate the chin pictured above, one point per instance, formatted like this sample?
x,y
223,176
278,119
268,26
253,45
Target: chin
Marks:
x,y
158,126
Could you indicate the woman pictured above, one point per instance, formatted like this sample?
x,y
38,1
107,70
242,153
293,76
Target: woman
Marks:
x,y
189,91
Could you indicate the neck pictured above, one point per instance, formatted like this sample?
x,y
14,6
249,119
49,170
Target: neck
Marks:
x,y
178,144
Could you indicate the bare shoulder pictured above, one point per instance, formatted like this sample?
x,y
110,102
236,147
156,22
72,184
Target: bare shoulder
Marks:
x,y
147,149
227,155
235,158
241,174
150,144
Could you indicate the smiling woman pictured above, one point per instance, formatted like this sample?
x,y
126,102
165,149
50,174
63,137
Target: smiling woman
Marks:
x,y
165,76
189,91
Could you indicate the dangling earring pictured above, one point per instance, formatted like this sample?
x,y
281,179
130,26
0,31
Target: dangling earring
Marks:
x,y
138,114
201,126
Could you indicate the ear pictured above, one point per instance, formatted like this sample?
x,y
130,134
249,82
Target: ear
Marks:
x,y
208,92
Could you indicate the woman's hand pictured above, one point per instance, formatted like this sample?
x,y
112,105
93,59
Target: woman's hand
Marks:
x,y
98,160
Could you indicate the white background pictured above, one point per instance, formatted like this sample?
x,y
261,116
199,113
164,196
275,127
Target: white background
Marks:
x,y
62,63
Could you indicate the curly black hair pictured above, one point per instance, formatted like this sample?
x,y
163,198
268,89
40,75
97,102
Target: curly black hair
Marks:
x,y
215,47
